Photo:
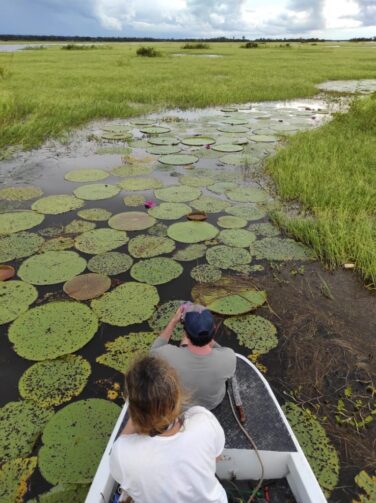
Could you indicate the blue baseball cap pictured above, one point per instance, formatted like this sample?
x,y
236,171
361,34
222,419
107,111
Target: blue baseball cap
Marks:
x,y
199,323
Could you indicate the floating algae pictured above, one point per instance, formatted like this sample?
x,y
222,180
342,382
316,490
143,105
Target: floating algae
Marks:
x,y
57,244
280,249
78,226
190,252
140,184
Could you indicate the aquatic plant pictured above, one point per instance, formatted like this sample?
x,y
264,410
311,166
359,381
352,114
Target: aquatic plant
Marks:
x,y
144,246
96,191
86,175
163,315
131,221
156,271
55,205
111,263
13,222
192,232
226,256
100,240
16,297
13,479
87,286
254,332
205,273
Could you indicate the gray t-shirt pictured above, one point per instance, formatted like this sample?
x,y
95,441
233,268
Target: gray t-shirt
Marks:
x,y
204,376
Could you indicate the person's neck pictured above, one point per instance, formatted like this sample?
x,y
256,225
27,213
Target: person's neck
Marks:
x,y
199,350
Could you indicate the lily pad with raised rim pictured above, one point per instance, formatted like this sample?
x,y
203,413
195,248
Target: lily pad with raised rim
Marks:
x,y
249,212
15,298
205,273
127,304
232,129
156,271
78,226
190,252
51,267
170,211
280,249
192,232
96,191
140,184
14,477
261,138
227,147
134,200
111,263
197,141
144,246
221,187
178,159
55,205
264,229
132,170
163,149
22,244
154,129
87,286
73,458
57,244
196,181
100,240
239,238
163,315
163,140
226,256
52,330
210,204
231,222
158,229
86,175
248,195
177,194
131,221
53,382
20,193
17,221
95,214
254,332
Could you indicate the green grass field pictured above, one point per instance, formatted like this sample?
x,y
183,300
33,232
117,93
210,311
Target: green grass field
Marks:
x,y
331,171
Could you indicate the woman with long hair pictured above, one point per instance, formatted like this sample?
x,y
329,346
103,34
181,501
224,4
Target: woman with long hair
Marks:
x,y
165,455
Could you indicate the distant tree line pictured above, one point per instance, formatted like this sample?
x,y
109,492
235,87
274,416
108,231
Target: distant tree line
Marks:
x,y
363,39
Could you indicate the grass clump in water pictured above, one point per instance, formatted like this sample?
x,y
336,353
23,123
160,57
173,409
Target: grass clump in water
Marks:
x,y
331,173
196,45
85,47
147,52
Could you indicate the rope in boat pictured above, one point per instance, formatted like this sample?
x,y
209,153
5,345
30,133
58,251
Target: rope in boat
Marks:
x,y
251,441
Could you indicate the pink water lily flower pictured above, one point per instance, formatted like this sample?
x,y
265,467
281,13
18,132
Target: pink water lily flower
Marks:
x,y
150,204
207,146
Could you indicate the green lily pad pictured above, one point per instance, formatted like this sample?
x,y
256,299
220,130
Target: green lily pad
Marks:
x,y
15,299
117,128
100,240
170,211
178,159
16,221
205,273
118,150
22,244
163,149
154,129
226,256
117,136
280,249
264,229
110,263
196,181
231,222
249,212
20,193
131,221
51,267
144,122
222,187
247,195
209,204
156,271
132,170
261,138
134,200
158,230
163,140
127,304
319,450
52,330
62,493
190,252
55,205
163,315
125,349
87,286
368,484
95,214
150,246
21,424
86,175
237,159
51,232
140,184
227,147
197,141
240,238
57,244
14,477
73,457
232,129
233,121
177,194
230,295
78,226
53,382
192,232
254,332
96,191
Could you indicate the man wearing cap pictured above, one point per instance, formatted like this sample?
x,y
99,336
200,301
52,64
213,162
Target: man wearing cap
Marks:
x,y
203,365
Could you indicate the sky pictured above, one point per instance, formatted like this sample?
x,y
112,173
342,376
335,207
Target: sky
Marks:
x,y
330,19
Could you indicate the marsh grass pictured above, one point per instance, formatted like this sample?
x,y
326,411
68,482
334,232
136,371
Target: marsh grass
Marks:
x,y
331,172
196,45
147,52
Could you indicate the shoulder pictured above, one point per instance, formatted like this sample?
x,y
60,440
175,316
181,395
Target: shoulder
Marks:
x,y
201,416
227,354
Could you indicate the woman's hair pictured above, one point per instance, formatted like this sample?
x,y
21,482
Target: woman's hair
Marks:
x,y
155,395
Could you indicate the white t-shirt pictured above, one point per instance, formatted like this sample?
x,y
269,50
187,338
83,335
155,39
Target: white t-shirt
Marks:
x,y
173,469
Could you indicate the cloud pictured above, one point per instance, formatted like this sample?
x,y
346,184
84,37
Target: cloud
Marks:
x,y
300,17
367,12
218,15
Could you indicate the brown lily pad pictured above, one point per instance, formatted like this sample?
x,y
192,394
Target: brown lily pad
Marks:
x,y
197,216
87,286
6,272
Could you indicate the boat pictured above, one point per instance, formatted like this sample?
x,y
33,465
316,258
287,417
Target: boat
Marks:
x,y
274,441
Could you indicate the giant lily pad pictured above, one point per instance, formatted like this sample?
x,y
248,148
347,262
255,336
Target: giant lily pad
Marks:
x,y
124,350
192,232
158,229
240,238
196,181
78,226
51,267
73,457
227,256
154,129
227,147
190,252
134,200
150,246
100,240
232,129
14,476
20,193
197,141
247,195
264,229
234,121
52,330
117,128
170,211
177,194
319,450
231,222
178,159
119,150
112,136
21,424
86,175
163,315
127,304
110,263
62,493
210,204
249,212
55,205
231,295
132,170
368,484
95,214
22,244
238,159
205,273
156,271
163,140
57,244
131,221
87,286
221,187
280,249
15,299
254,332
140,184
16,221
53,382
163,149
96,191
261,138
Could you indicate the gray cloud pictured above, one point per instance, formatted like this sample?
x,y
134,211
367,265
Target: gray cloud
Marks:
x,y
367,12
223,15
302,16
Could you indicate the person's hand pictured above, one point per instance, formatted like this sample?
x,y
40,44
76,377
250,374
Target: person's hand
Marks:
x,y
177,316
